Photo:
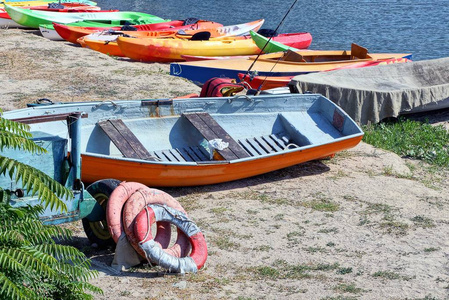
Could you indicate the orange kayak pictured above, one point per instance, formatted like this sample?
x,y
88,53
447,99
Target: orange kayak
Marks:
x,y
73,33
106,41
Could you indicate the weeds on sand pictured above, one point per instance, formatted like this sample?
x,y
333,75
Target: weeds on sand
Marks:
x,y
224,243
411,139
386,275
431,249
340,298
394,227
282,270
321,205
348,288
423,222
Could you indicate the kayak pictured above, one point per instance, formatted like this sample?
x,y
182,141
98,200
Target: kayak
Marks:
x,y
43,2
6,22
269,45
106,41
72,33
171,50
34,18
283,64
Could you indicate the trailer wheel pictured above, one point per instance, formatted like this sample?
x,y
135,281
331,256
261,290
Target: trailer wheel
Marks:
x,y
98,232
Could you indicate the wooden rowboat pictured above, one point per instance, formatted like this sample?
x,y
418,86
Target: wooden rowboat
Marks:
x,y
282,63
198,141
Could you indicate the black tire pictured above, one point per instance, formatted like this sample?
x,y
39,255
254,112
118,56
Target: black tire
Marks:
x,y
98,232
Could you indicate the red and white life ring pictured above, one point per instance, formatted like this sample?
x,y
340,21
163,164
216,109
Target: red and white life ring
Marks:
x,y
115,204
128,191
142,230
135,203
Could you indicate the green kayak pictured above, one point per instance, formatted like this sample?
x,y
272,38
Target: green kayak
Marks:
x,y
33,18
269,46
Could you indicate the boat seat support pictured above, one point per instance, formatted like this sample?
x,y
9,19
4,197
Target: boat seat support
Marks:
x,y
210,129
124,139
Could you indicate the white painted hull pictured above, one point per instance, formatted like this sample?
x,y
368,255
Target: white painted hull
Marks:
x,y
50,34
8,23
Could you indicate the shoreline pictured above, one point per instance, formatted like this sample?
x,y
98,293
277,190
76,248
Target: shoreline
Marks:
x,y
366,224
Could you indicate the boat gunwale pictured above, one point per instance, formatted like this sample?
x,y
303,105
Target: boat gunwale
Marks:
x,y
221,162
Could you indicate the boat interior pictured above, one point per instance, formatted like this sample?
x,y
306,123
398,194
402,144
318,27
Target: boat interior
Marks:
x,y
357,53
186,138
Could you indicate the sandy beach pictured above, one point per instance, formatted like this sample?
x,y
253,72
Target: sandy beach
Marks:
x,y
366,224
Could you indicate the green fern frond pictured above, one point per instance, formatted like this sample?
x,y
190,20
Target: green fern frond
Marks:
x,y
11,238
25,257
50,232
76,273
9,290
8,262
64,253
12,141
88,286
17,128
47,189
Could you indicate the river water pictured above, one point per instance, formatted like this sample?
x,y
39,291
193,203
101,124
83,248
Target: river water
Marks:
x,y
418,27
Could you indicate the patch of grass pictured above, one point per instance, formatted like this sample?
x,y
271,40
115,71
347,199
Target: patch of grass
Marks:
x,y
338,175
386,275
376,208
262,197
343,271
279,217
282,270
412,139
321,205
328,230
427,297
293,236
224,243
191,202
219,210
316,249
267,272
340,298
350,198
431,249
263,248
348,288
423,222
394,227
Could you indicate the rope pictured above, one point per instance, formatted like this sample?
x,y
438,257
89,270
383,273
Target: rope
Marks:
x,y
269,39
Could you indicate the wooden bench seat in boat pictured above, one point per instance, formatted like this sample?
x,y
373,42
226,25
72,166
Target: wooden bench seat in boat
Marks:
x,y
124,139
255,146
130,147
210,130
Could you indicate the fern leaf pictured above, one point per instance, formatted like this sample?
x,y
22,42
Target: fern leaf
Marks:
x,y
37,181
12,141
9,290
